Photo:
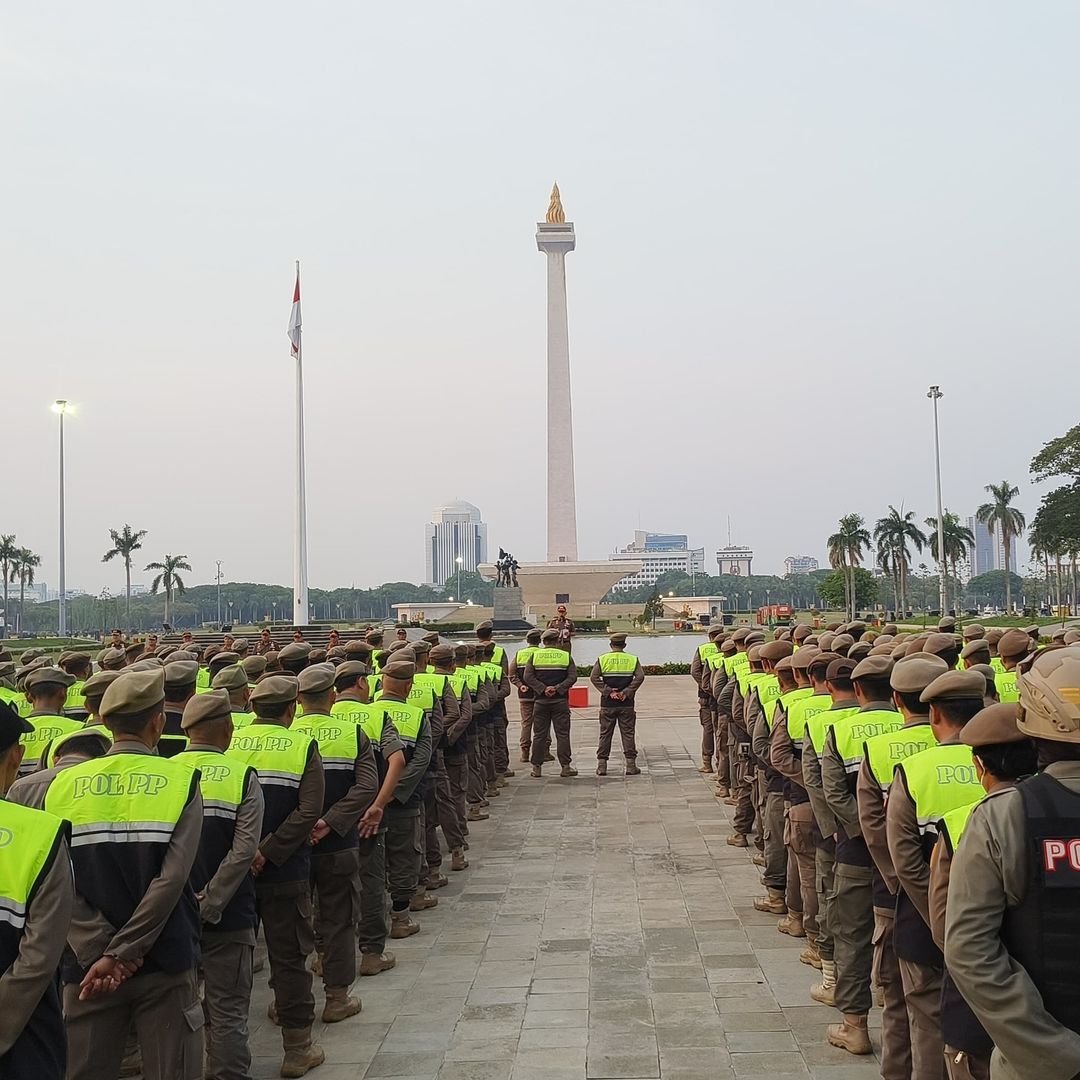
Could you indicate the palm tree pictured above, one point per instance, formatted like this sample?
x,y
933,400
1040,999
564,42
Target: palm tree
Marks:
x,y
8,552
125,543
893,533
846,549
1000,514
25,562
957,540
167,578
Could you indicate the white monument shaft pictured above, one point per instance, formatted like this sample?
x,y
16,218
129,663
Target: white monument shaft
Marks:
x,y
555,238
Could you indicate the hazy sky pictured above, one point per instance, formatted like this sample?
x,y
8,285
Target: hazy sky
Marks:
x,y
791,218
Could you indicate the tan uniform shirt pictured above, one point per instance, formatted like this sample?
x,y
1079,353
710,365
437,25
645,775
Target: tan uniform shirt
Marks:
x,y
990,873
456,728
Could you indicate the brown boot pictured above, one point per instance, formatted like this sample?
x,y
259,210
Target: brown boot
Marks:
x,y
722,791
851,1035
632,769
730,800
373,963
548,757
524,757
317,965
823,992
301,1054
568,770
758,859
601,768
492,791
535,772
436,880
810,955
773,902
458,860
705,768
508,774
737,840
421,901
339,1006
476,813
792,925
402,925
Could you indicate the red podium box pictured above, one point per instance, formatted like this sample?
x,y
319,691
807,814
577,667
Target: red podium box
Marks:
x,y
579,697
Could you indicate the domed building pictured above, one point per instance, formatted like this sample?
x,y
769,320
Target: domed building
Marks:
x,y
456,531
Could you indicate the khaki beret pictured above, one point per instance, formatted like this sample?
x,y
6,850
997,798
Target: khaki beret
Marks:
x,y
374,636
996,724
973,631
317,656
222,659
399,669
180,672
974,648
939,643
617,639
1014,643
337,654
239,645
833,627
421,647
740,633
994,634
253,666
821,660
47,675
549,636
825,640
7,669
860,650
811,640
352,669
357,648
1058,637
165,650
914,673
316,679
902,648
295,650
441,654
133,692
99,682
1072,637
872,667
397,646
533,636
487,624
274,690
234,677
856,628
754,652
755,637
432,638
889,628
776,650
30,654
801,632
135,648
715,631
989,674
802,660
840,668
73,659
955,686
461,652
886,648
947,624
841,642
111,657
213,705
784,663
729,647
147,663
1032,631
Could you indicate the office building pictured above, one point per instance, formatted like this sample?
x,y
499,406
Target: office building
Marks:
x,y
988,551
800,564
455,531
660,553
734,560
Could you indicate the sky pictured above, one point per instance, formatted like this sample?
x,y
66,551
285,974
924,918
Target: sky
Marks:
x,y
791,219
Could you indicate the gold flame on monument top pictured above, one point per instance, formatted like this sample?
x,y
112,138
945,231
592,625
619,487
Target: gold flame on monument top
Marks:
x,y
556,215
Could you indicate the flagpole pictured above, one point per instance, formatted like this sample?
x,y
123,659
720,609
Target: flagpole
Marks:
x,y
300,581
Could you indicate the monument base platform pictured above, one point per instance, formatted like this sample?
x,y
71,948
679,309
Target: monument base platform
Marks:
x,y
509,610
578,585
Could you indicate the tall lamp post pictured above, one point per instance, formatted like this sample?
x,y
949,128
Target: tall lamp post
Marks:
x,y
460,563
935,395
60,407
219,592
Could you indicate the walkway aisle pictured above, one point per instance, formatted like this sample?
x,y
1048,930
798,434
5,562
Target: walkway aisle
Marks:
x,y
604,930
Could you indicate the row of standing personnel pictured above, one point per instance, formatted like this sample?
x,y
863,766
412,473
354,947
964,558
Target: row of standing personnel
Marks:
x,y
905,792
197,802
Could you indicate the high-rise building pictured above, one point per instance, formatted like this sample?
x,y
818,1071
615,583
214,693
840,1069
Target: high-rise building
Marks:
x,y
800,564
660,553
455,531
988,551
734,560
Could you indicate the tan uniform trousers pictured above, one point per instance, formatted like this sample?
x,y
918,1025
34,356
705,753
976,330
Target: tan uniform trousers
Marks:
x,y
334,879
626,721
457,775
549,713
772,819
922,992
708,732
853,930
168,1019
226,972
525,707
799,836
895,1034
720,740
286,913
825,878
962,1066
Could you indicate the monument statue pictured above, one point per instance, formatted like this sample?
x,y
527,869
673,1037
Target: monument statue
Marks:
x,y
507,567
556,215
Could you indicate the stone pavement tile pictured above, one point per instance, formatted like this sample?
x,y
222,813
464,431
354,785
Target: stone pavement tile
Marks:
x,y
754,1042
578,969
680,986
505,1011
501,1049
538,1002
556,1018
542,1038
604,1041
769,1064
674,1006
487,1029
497,995
475,1070
621,1014
617,1066
694,1063
562,1063
410,1065
504,973
755,1021
696,1031
559,986
817,1051
868,1069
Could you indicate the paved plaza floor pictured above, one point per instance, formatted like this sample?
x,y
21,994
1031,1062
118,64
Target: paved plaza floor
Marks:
x,y
604,929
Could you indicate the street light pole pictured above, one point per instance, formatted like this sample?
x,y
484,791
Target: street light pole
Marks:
x,y
60,407
219,592
935,395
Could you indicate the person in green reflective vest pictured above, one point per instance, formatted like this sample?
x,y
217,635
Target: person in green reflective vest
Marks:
x,y
37,899
975,652
1003,755
701,672
855,877
46,689
221,877
479,692
79,666
234,681
93,691
526,698
549,673
181,677
454,754
617,675
254,668
911,675
493,728
925,787
731,705
89,742
717,678
1013,648
496,654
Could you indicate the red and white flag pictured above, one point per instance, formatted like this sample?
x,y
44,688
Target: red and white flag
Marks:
x,y
294,317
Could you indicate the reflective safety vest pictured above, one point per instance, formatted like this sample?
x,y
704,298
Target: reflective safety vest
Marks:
x,y
997,664
801,711
940,779
747,678
851,733
359,713
1005,682
885,751
31,842
422,696
223,782
46,728
16,700
339,747
494,672
707,650
818,725
715,661
497,656
406,717
951,826
735,662
123,810
521,657
768,692
550,665
242,719
458,684
74,701
202,679
56,745
279,755
472,679
617,671
787,701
